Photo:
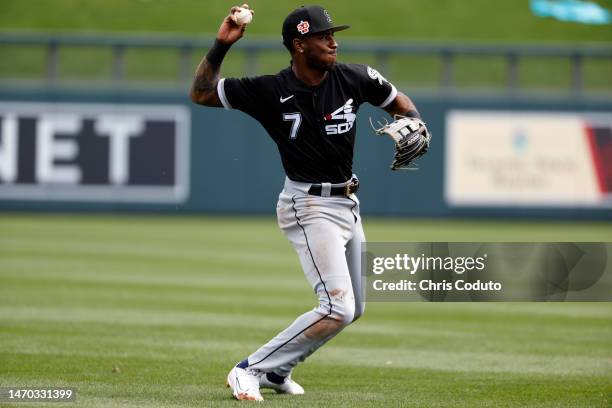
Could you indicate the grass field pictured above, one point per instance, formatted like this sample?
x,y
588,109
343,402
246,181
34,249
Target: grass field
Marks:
x,y
174,302
448,20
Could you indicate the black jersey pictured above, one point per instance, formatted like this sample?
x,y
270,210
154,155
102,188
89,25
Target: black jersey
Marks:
x,y
313,127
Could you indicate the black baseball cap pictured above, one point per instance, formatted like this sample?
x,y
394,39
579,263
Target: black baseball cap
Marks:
x,y
308,20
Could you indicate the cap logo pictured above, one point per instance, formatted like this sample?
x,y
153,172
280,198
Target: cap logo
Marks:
x,y
329,20
303,27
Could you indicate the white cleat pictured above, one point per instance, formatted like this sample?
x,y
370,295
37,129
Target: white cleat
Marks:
x,y
244,385
287,387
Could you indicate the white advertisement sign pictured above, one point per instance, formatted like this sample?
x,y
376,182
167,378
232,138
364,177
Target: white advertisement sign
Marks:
x,y
528,159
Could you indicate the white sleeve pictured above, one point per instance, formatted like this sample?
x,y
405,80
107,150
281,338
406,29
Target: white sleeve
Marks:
x,y
221,93
390,98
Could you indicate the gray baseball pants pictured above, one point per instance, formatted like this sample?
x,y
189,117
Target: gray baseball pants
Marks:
x,y
327,234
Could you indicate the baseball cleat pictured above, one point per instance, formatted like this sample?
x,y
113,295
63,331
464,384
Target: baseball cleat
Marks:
x,y
288,386
244,385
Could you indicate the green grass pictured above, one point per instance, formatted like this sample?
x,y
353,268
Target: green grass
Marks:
x,y
448,20
173,302
502,21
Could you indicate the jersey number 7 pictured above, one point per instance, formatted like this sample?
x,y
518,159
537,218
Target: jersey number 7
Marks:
x,y
297,120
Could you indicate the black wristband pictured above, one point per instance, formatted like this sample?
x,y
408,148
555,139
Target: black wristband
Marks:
x,y
412,114
217,52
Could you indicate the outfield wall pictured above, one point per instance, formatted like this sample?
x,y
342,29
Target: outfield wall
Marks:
x,y
155,151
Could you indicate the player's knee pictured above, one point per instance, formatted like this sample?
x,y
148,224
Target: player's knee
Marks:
x,y
339,306
344,314
342,306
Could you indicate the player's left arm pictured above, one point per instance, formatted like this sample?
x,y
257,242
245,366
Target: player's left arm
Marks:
x,y
402,105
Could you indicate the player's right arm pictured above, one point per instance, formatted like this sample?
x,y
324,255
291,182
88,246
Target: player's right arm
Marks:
x,y
204,87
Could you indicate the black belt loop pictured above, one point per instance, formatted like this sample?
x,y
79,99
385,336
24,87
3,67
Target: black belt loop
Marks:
x,y
344,191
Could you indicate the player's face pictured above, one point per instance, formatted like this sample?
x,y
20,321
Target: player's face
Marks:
x,y
320,50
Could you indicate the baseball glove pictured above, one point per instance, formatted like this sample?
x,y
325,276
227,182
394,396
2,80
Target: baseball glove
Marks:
x,y
411,139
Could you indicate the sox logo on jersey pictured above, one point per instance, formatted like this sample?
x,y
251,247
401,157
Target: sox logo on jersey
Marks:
x,y
345,112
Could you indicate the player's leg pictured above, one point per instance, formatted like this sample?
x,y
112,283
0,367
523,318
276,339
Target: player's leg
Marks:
x,y
353,260
319,230
319,236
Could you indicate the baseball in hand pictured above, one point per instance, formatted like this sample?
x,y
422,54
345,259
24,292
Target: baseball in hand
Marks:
x,y
243,16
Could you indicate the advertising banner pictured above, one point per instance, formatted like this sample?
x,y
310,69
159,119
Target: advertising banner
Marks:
x,y
528,159
94,152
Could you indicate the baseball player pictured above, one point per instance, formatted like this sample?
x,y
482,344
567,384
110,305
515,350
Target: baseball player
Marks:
x,y
309,110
